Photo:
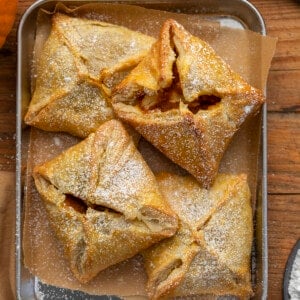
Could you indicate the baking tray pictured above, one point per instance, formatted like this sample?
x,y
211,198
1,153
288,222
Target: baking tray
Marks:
x,y
235,14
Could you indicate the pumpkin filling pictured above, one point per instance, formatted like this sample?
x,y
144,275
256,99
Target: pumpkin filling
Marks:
x,y
203,102
170,98
75,203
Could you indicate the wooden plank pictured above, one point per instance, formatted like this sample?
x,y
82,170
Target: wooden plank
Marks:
x,y
283,91
7,84
7,151
283,153
8,122
286,55
8,70
8,104
282,21
283,233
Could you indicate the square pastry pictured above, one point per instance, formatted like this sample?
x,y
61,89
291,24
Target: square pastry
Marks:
x,y
103,201
186,101
210,253
68,94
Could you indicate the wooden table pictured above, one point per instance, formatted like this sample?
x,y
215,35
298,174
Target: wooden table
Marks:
x,y
282,19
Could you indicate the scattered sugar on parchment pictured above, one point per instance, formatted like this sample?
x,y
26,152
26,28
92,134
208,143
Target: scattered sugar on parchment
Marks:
x,y
294,284
57,141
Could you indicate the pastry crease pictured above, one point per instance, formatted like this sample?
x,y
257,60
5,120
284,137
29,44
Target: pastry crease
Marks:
x,y
71,94
103,201
212,244
186,101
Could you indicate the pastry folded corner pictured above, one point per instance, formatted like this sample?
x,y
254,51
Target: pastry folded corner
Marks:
x,y
71,94
186,101
207,257
103,201
166,263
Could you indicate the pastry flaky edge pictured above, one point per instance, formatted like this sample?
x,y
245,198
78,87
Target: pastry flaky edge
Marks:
x,y
210,253
185,100
103,201
78,65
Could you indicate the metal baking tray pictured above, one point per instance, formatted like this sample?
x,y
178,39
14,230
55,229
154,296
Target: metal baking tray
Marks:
x,y
235,14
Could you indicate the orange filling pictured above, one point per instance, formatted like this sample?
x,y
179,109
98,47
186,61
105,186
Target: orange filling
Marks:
x,y
170,98
80,206
75,203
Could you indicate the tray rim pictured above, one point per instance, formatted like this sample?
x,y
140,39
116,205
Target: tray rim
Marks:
x,y
263,147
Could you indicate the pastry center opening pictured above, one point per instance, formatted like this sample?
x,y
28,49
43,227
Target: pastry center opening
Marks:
x,y
170,98
165,99
203,102
103,208
76,203
81,206
165,274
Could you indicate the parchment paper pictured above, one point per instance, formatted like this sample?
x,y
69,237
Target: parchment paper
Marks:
x,y
248,53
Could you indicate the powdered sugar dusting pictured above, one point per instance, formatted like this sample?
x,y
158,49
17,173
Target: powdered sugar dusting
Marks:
x,y
215,223
193,136
68,96
114,191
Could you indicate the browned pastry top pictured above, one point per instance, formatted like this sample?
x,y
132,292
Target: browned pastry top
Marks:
x,y
210,253
69,95
186,101
103,201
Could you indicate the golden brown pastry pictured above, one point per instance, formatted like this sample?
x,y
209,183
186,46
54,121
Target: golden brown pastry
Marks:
x,y
186,101
103,201
210,253
68,95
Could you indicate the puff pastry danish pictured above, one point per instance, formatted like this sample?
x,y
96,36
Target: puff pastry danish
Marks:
x,y
210,253
68,95
186,101
103,201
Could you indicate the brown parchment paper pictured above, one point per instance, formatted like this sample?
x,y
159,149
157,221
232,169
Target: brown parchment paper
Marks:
x,y
248,53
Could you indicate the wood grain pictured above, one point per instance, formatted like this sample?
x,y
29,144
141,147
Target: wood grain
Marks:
x,y
282,21
283,92
284,153
8,71
8,63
